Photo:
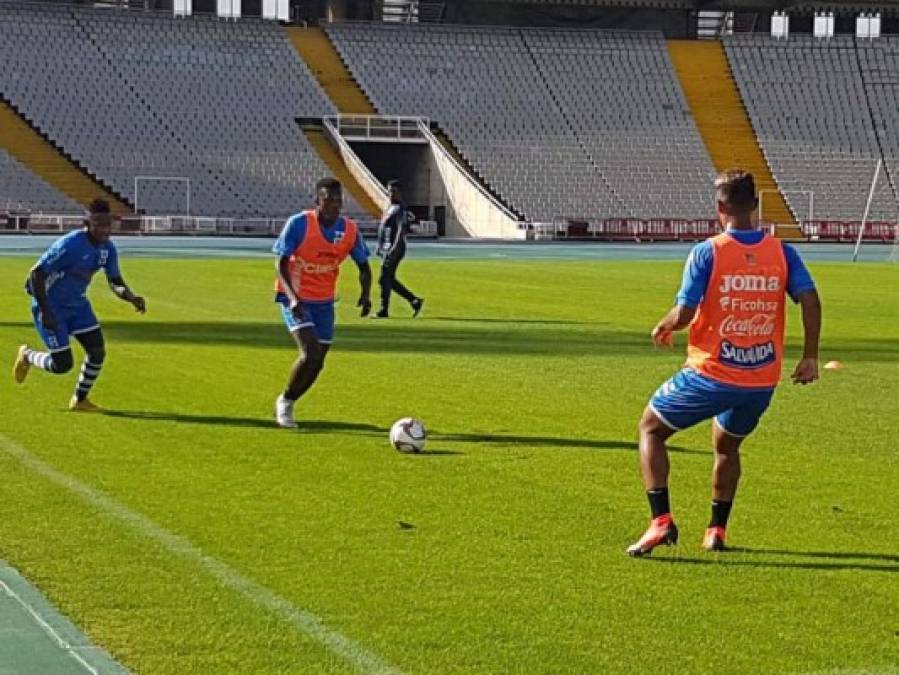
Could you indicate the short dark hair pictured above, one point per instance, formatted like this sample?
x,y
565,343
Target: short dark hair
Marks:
x,y
98,205
394,184
736,188
330,184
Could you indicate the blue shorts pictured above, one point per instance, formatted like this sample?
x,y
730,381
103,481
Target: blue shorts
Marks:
x,y
319,316
69,321
689,398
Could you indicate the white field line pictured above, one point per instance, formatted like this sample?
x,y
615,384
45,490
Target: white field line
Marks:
x,y
305,621
65,646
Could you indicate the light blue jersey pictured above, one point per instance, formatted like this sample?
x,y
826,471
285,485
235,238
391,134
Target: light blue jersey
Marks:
x,y
698,269
71,262
690,397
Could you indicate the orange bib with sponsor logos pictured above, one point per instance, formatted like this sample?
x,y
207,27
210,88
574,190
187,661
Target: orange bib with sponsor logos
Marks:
x,y
737,336
315,263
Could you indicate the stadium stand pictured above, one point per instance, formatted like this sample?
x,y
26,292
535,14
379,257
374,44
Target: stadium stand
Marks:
x,y
323,61
72,94
807,102
880,68
42,159
569,125
130,94
22,189
516,104
722,120
484,90
620,94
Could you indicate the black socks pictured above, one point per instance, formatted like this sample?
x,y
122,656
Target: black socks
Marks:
x,y
658,501
720,513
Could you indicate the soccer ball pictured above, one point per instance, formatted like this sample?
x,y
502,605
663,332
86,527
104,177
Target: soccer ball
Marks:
x,y
408,435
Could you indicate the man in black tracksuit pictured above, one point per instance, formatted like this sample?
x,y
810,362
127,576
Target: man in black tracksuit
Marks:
x,y
392,249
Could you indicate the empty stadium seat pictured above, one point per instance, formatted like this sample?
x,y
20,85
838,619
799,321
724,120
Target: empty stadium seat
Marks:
x,y
571,124
880,69
22,189
808,105
129,94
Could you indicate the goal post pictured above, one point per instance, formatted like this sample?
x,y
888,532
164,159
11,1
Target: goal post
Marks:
x,y
809,195
861,230
183,180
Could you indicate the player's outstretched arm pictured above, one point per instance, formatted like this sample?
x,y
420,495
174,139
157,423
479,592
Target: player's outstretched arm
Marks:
x,y
283,268
365,283
806,370
37,280
677,319
121,290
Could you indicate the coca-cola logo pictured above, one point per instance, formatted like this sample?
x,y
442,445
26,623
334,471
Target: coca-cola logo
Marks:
x,y
759,325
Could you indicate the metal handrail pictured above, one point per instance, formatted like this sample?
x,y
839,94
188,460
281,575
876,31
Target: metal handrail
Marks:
x,y
351,158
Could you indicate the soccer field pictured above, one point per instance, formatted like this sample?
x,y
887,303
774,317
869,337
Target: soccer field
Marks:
x,y
184,533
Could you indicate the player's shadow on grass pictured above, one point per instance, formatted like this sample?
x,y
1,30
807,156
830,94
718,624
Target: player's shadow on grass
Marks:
x,y
407,337
550,441
436,338
880,562
845,555
319,426
512,320
363,428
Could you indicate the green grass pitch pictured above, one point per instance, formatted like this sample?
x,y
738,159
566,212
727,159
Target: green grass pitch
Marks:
x,y
502,549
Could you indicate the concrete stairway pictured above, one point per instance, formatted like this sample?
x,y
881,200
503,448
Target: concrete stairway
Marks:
x,y
723,122
24,143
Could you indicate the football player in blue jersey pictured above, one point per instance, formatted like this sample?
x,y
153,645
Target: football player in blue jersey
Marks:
x,y
58,286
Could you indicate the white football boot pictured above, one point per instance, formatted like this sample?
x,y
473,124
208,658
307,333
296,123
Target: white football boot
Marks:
x,y
284,413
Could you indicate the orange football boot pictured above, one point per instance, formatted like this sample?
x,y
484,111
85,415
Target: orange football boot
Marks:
x,y
714,539
662,530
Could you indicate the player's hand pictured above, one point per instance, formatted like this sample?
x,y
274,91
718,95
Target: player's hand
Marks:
x,y
139,304
662,337
296,308
48,321
365,304
806,371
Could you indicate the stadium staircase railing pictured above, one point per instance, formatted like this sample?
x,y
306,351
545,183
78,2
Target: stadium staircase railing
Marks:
x,y
335,158
478,213
374,191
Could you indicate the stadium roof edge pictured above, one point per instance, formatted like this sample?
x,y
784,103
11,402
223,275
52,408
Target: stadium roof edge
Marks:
x,y
731,5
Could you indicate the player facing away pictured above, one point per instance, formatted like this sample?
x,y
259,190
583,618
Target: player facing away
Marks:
x,y
310,250
733,298
58,286
392,249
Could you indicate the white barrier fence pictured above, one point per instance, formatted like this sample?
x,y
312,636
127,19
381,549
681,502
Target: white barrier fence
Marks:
x,y
47,223
610,229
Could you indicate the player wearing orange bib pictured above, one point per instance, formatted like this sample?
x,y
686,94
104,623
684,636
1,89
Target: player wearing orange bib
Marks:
x,y
310,250
733,298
